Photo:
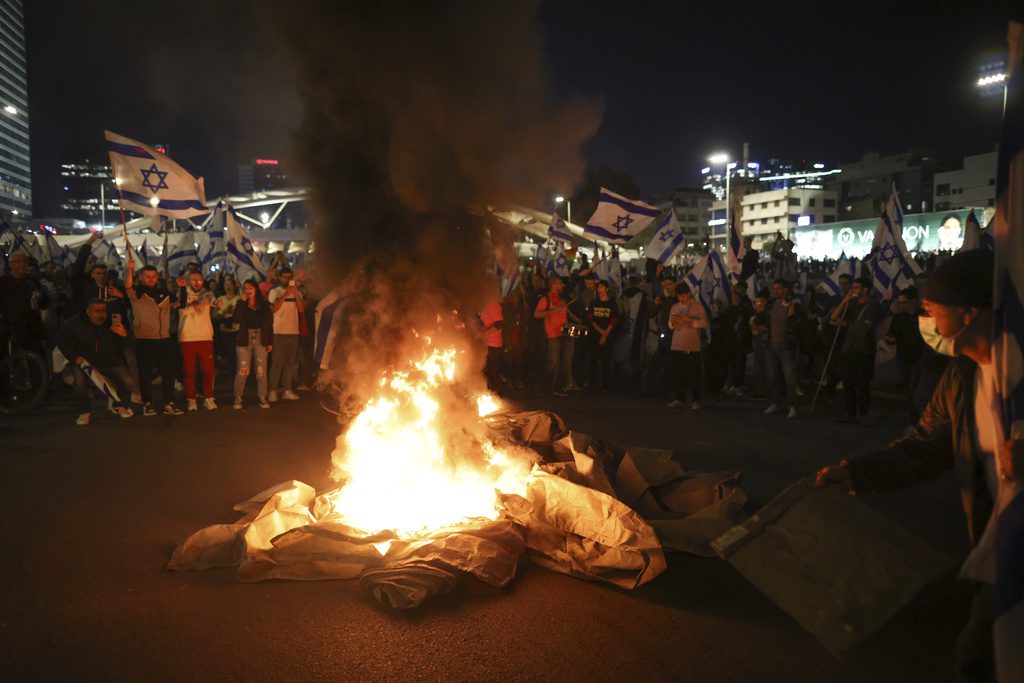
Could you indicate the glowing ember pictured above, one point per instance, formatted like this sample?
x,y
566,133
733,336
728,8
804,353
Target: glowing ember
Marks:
x,y
416,457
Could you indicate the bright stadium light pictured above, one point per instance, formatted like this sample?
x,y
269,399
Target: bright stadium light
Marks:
x,y
719,158
991,79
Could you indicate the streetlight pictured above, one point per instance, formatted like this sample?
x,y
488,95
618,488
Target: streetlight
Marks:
x,y
723,158
568,207
10,110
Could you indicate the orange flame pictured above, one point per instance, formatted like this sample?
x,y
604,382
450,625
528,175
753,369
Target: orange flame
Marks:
x,y
416,458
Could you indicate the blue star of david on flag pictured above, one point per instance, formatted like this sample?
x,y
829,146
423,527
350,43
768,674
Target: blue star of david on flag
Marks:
x,y
622,223
147,181
888,253
666,235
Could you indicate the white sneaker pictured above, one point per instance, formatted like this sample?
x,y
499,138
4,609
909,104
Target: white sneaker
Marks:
x,y
290,395
192,406
83,419
799,392
124,412
237,404
302,387
264,404
695,406
272,397
675,404
209,404
178,386
772,409
792,413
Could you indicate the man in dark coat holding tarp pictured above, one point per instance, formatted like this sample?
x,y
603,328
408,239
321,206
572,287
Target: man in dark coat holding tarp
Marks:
x,y
961,430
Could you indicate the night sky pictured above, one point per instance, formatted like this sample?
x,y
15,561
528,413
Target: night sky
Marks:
x,y
678,80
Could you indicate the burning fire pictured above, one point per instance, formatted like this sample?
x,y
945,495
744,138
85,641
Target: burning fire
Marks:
x,y
416,458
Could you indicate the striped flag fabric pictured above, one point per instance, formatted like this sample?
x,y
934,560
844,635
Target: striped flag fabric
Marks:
x,y
736,248
846,266
241,257
1008,356
182,247
325,329
558,229
542,257
617,219
889,262
709,283
101,382
151,183
54,252
560,265
667,240
972,233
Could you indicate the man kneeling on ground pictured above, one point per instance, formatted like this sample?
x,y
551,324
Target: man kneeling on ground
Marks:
x,y
87,338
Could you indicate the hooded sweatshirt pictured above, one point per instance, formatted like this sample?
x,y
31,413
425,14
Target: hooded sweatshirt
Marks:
x,y
151,307
96,343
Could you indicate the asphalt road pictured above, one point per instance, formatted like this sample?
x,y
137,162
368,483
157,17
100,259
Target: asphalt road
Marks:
x,y
91,515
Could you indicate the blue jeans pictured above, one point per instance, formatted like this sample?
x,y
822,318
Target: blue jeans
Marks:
x,y
781,359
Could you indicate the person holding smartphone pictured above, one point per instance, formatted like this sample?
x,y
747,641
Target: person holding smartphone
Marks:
x,y
253,341
285,301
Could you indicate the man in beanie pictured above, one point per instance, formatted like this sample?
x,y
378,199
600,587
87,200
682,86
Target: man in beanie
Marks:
x,y
961,430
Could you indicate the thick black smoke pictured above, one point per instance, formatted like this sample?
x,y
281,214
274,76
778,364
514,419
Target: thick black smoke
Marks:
x,y
419,116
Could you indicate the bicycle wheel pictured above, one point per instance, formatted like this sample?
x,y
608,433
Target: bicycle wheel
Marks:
x,y
23,382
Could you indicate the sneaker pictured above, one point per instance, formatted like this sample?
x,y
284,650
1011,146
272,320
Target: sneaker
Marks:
x,y
178,386
124,412
560,392
272,396
302,387
192,406
675,404
695,406
148,410
237,405
209,404
83,419
792,412
290,395
799,392
171,409
772,409
264,403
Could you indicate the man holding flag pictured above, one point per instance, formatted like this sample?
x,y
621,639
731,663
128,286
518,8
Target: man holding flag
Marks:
x,y
889,262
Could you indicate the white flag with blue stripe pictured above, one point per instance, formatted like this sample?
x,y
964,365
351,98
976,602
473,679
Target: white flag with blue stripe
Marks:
x,y
889,262
101,382
560,265
847,266
709,283
736,248
182,251
667,240
617,220
151,183
106,253
55,253
241,257
615,272
542,257
558,230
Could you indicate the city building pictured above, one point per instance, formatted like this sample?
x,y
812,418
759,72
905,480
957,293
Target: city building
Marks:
x,y
971,186
765,213
15,168
779,174
692,208
260,175
88,192
864,186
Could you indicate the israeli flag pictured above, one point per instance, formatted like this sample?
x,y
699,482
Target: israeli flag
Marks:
x,y
509,282
972,233
326,319
151,183
183,251
667,240
846,266
615,272
241,257
54,252
542,257
709,283
560,265
101,382
106,253
617,220
25,243
558,230
889,262
144,252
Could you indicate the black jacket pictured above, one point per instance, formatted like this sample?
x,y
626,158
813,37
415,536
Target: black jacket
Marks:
x,y
266,323
96,343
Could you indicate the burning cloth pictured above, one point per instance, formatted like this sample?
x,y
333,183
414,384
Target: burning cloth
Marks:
x,y
567,518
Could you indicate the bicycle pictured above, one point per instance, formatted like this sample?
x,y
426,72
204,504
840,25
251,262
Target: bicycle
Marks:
x,y
24,377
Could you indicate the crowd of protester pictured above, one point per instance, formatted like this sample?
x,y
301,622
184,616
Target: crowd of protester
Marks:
x,y
152,335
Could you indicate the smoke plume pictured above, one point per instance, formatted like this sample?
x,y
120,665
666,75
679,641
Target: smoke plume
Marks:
x,y
418,117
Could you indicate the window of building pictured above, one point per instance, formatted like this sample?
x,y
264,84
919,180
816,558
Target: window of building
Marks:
x,y
776,204
794,201
991,202
764,205
793,217
942,206
942,190
829,203
692,217
764,221
811,201
777,219
830,218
